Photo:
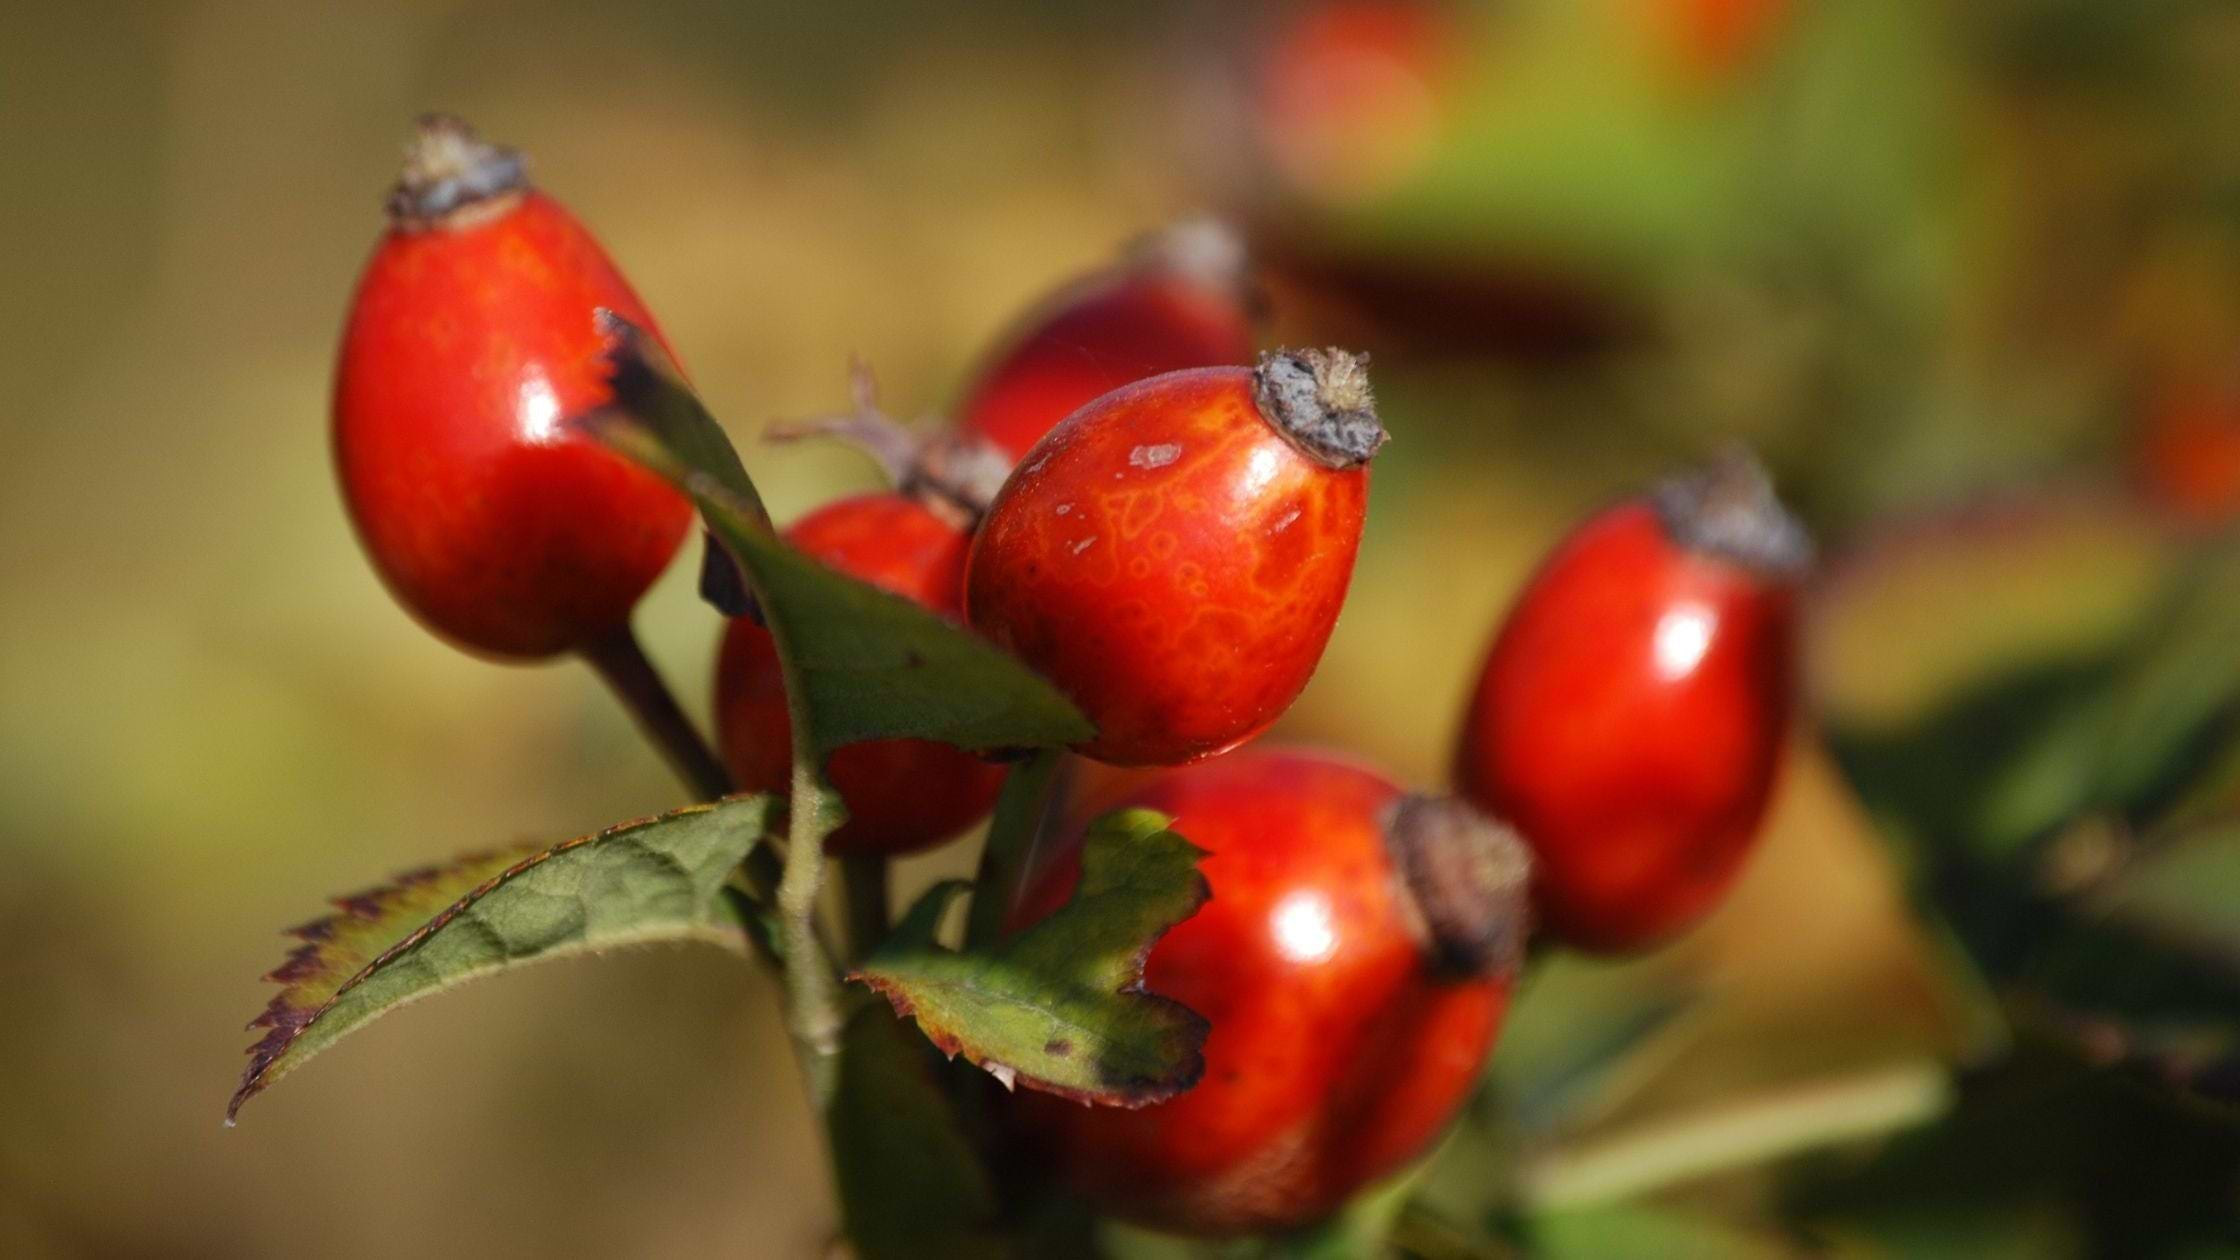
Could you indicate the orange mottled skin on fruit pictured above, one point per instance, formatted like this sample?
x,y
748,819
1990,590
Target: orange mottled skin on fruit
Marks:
x,y
1172,562
1336,1054
902,795
1092,339
466,348
1629,723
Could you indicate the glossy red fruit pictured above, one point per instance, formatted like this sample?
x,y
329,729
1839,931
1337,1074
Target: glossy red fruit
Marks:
x,y
902,795
472,336
1631,715
1174,555
1180,298
1355,962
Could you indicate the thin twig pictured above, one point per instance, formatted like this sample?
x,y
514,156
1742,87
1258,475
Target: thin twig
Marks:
x,y
620,660
622,663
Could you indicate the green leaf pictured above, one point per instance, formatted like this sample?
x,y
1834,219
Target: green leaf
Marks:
x,y
658,879
2176,708
866,664
2186,891
1630,1230
2046,1155
1577,1038
1061,1006
910,1182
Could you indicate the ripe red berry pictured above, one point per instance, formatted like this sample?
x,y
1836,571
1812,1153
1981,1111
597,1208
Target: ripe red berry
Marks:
x,y
473,334
902,794
1174,555
1179,299
1630,718
1355,962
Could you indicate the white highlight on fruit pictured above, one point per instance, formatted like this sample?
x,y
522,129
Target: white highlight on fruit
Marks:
x,y
1303,929
1259,472
1682,636
540,407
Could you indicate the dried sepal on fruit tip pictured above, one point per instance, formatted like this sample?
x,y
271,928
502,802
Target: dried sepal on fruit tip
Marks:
x,y
1203,248
1467,876
448,168
1320,401
1728,508
958,475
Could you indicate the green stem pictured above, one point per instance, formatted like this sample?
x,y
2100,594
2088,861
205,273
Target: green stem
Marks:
x,y
621,662
865,878
1737,1135
1020,814
813,1014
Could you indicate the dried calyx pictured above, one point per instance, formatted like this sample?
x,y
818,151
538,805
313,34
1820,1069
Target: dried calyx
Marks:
x,y
1202,249
1728,509
449,170
957,476
1320,400
1466,877
954,474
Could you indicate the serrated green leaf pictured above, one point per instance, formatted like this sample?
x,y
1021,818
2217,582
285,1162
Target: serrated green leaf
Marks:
x,y
870,665
658,879
1061,1006
910,1182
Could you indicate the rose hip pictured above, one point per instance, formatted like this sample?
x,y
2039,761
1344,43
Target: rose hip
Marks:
x,y
472,335
1355,961
1630,718
1174,555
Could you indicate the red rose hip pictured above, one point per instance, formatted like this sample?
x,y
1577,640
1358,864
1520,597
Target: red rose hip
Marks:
x,y
1180,298
1174,555
472,336
902,795
1355,961
1630,718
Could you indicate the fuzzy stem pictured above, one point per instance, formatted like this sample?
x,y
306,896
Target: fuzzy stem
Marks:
x,y
865,877
1009,852
813,1014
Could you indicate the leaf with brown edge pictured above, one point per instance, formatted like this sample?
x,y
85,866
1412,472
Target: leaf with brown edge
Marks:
x,y
1061,1006
656,879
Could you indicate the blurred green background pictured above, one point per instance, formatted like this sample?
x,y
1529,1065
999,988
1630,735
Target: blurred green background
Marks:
x,y
1917,252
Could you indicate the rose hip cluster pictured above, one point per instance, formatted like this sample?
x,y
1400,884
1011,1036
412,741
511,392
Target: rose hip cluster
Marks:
x,y
1170,547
